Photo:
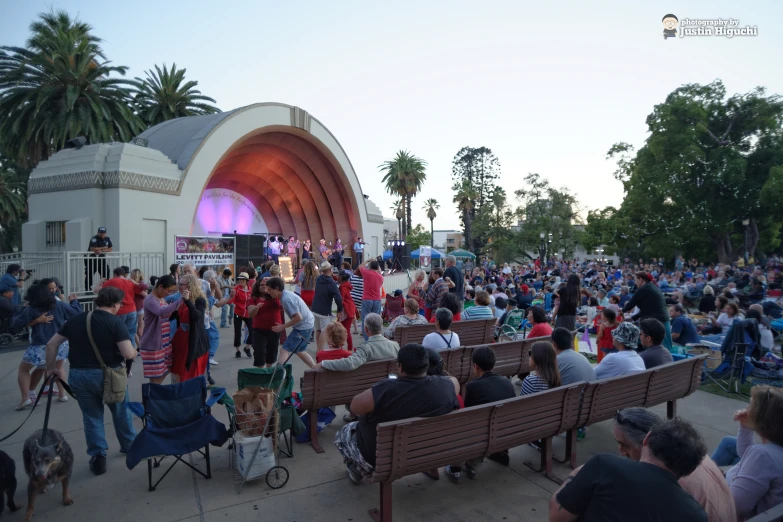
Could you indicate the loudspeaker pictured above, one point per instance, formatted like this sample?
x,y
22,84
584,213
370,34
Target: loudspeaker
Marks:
x,y
405,257
256,246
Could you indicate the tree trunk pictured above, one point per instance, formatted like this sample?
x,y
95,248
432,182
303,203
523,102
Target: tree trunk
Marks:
x,y
432,234
468,238
408,199
724,250
753,238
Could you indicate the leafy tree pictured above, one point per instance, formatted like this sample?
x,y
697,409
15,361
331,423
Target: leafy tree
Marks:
x,y
13,203
431,205
58,87
404,176
478,168
418,236
709,163
164,95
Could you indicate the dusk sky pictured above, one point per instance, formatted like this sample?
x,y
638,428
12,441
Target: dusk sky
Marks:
x,y
549,88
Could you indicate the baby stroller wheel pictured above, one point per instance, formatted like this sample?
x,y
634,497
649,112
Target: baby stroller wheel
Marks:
x,y
6,339
277,477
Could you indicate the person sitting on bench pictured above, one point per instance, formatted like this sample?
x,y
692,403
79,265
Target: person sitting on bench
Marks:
x,y
625,338
411,393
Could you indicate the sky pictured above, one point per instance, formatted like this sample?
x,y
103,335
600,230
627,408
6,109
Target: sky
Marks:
x,y
549,88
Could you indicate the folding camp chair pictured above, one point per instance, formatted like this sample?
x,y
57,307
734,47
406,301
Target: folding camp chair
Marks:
x,y
177,421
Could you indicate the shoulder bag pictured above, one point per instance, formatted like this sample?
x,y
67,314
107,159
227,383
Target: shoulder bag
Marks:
x,y
115,380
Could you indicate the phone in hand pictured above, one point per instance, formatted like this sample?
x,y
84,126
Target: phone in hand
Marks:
x,y
392,376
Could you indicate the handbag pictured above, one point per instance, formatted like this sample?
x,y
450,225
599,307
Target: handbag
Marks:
x,y
115,380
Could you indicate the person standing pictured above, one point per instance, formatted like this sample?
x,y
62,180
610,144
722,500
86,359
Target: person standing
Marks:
x,y
306,249
371,292
130,290
651,303
457,277
14,278
112,342
99,245
338,253
266,313
226,283
349,307
565,310
358,250
323,251
292,247
190,343
300,320
326,292
155,343
274,249
239,297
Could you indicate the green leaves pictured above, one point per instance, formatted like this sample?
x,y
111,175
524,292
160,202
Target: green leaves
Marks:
x,y
403,176
164,95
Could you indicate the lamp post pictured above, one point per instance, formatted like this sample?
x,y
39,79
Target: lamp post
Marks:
x,y
542,248
399,215
745,223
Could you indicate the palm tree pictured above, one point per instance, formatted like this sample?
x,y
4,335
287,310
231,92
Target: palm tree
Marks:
x,y
58,87
164,95
464,199
430,206
404,177
498,201
399,213
12,196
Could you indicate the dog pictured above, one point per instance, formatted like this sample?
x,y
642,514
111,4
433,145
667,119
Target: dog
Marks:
x,y
7,481
46,462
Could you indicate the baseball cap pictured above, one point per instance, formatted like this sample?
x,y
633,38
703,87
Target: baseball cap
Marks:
x,y
243,275
101,230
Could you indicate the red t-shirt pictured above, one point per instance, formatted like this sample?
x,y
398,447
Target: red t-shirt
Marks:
x,y
605,341
331,355
269,314
130,288
540,330
373,282
454,318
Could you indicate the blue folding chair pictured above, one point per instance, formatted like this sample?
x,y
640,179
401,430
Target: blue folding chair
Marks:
x,y
177,421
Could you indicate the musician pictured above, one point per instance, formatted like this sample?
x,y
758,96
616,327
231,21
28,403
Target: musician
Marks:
x,y
306,249
274,249
338,253
323,250
358,249
293,251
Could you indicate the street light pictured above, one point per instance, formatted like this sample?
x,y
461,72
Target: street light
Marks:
x,y
745,223
542,248
399,215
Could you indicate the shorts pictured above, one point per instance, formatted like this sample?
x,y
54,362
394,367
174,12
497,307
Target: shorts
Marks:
x,y
297,340
322,321
264,346
36,354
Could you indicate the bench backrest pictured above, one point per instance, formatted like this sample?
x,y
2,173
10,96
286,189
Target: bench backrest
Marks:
x,y
671,381
480,331
511,358
413,445
327,388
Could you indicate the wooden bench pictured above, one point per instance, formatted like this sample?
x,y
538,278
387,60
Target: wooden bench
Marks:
x,y
773,514
602,399
415,445
471,333
327,388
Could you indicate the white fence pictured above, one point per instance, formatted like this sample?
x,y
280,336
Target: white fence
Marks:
x,y
398,281
78,272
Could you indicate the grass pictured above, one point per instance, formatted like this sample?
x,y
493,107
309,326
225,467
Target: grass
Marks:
x,y
743,395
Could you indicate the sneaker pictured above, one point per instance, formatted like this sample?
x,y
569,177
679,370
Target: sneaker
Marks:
x,y
247,352
98,464
353,473
24,405
32,396
64,398
212,361
454,476
237,355
470,472
211,381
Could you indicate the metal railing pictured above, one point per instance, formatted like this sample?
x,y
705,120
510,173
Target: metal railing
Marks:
x,y
85,270
41,265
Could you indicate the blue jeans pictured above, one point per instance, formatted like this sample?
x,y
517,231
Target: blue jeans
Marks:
x,y
131,323
726,452
226,314
87,385
369,307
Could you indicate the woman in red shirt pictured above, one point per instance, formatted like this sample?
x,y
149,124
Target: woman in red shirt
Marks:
x,y
541,328
604,335
336,336
349,308
240,297
265,314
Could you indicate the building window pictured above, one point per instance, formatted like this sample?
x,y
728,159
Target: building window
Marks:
x,y
55,233
450,241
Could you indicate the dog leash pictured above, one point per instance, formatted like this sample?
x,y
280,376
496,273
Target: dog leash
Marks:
x,y
51,382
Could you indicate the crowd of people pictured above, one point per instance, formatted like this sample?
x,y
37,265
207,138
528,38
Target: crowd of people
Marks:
x,y
640,314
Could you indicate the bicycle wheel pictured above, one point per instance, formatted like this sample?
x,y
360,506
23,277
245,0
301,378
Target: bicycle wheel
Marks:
x,y
277,477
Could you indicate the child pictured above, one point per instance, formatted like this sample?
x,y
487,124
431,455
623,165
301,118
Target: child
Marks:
x,y
265,314
336,335
604,336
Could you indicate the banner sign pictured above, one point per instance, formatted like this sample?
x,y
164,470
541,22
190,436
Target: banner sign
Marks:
x,y
216,252
425,256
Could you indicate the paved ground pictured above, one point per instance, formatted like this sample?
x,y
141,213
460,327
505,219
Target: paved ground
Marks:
x,y
318,487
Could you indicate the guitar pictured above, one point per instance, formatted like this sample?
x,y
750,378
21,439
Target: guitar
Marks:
x,y
325,254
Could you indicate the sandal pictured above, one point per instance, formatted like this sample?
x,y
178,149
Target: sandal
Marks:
x,y
247,352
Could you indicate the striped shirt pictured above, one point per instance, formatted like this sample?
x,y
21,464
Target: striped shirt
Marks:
x,y
533,384
357,291
477,312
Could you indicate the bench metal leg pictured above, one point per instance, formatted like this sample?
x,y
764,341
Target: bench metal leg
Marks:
x,y
570,450
384,514
546,461
671,409
314,432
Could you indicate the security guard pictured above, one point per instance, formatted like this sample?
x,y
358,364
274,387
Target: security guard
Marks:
x,y
99,245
